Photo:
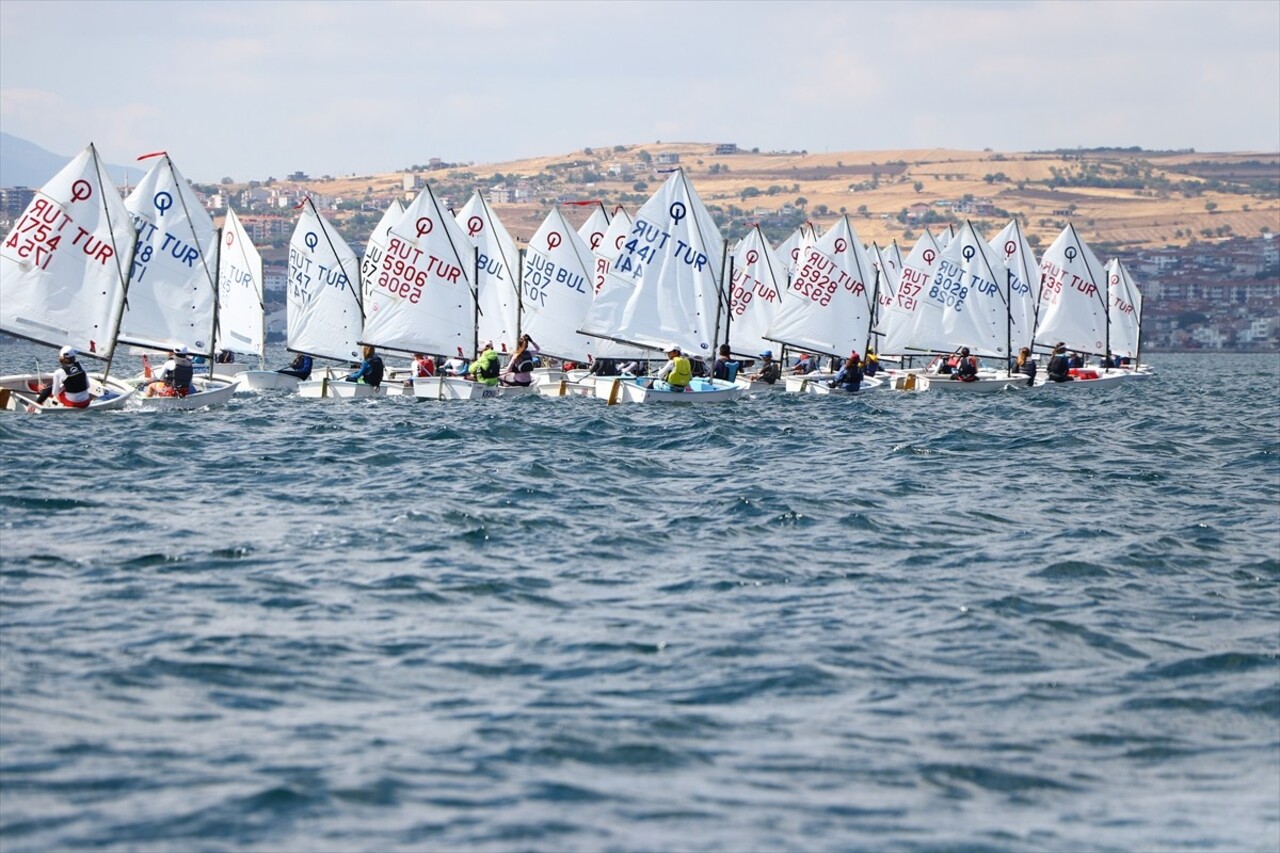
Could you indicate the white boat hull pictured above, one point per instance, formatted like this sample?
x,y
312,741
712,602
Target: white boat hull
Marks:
x,y
822,386
637,390
327,388
1091,378
457,388
204,392
981,385
19,395
265,380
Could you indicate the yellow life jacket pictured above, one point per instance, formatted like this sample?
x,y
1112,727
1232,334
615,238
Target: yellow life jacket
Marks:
x,y
681,372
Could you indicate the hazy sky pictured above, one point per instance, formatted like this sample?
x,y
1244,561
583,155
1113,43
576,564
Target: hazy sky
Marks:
x,y
258,89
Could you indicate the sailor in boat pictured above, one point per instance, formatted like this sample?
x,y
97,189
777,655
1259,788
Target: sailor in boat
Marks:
x,y
675,374
1059,368
486,368
1026,365
225,356
299,367
456,366
966,369
175,376
849,377
370,370
770,371
723,367
605,367
423,365
70,385
872,365
804,365
520,366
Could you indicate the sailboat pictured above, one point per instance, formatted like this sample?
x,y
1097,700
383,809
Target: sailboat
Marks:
x,y
63,273
1073,307
1125,316
242,326
325,309
665,287
556,293
172,297
421,299
495,265
758,280
903,322
972,288
829,306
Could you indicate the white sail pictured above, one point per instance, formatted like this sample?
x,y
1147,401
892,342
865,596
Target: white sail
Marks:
x,y
887,264
664,286
945,237
173,284
756,287
592,231
557,290
1024,283
494,271
828,306
64,264
1073,302
905,315
422,299
1125,311
241,323
792,249
972,283
608,248
324,308
377,245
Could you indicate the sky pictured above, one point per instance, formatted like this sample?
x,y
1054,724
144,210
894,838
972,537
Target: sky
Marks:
x,y
250,90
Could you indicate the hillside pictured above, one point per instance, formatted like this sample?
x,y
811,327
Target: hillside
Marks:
x,y
1119,199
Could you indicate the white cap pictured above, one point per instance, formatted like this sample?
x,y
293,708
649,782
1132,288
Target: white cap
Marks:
x,y
672,348
67,352
180,349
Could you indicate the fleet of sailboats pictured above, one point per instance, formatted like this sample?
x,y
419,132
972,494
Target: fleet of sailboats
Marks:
x,y
84,268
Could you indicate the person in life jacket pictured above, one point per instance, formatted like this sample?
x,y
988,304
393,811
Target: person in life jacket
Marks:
x,y
871,366
849,377
803,366
677,372
1026,365
966,369
299,367
70,384
770,371
724,368
175,376
371,368
1059,368
486,368
520,367
423,365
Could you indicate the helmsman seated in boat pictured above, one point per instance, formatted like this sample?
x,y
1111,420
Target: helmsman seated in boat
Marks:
x,y
70,384
676,374
175,376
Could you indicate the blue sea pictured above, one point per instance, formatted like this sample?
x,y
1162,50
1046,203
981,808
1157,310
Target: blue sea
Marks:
x,y
1031,621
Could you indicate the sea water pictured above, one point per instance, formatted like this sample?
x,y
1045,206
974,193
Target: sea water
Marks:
x,y
1035,620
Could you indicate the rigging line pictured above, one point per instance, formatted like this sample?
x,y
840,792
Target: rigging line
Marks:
x,y
358,291
124,280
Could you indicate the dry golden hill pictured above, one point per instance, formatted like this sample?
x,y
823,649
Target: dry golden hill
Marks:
x,y
1122,199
